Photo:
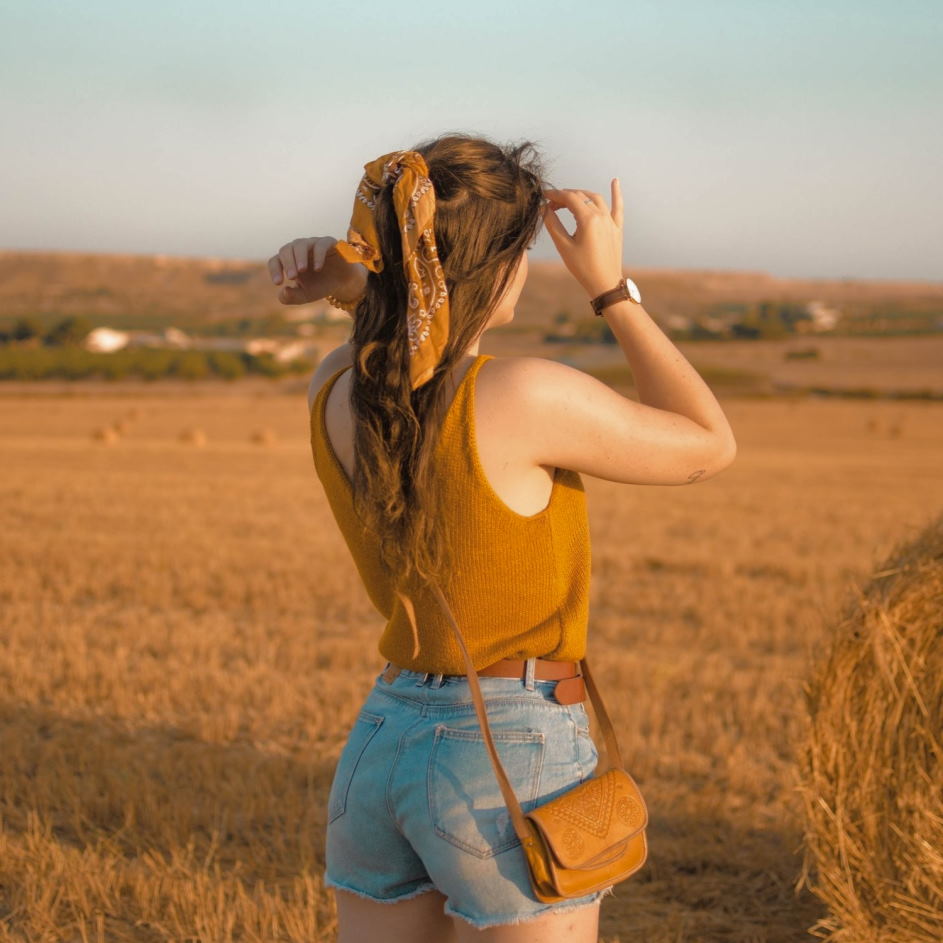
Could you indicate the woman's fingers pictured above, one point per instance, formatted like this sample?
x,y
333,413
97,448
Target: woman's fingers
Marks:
x,y
292,295
300,250
556,229
287,260
295,255
573,200
617,201
322,246
275,269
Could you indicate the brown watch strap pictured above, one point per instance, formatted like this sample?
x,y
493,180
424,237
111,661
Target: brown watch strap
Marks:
x,y
619,293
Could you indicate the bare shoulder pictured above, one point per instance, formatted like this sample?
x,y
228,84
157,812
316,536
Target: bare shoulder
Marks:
x,y
558,415
330,363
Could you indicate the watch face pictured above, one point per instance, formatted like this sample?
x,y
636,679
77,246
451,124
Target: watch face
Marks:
x,y
634,293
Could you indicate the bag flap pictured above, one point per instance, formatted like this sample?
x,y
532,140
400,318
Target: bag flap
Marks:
x,y
593,822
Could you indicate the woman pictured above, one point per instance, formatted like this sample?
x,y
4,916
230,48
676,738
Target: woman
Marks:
x,y
443,465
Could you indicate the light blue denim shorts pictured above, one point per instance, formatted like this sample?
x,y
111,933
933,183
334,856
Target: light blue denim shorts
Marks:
x,y
415,805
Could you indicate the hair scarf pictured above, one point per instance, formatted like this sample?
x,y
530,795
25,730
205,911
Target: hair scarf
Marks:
x,y
427,312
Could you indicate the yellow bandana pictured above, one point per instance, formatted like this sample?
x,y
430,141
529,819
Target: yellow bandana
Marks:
x,y
427,314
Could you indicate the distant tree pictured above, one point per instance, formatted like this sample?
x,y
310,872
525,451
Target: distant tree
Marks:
x,y
266,364
25,329
745,329
790,313
190,365
226,364
71,330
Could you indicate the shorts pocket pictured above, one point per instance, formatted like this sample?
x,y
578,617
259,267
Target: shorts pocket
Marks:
x,y
365,726
466,805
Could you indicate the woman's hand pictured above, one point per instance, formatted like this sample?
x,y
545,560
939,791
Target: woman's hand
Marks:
x,y
316,271
593,254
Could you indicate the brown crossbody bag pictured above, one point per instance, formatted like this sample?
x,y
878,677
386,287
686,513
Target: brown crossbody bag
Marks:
x,y
591,836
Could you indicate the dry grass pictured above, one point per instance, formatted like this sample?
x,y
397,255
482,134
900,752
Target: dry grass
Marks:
x,y
186,642
872,758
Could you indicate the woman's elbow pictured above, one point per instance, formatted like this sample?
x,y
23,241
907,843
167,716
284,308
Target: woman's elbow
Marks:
x,y
719,460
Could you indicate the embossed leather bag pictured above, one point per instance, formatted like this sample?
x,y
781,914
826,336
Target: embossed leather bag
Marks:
x,y
588,838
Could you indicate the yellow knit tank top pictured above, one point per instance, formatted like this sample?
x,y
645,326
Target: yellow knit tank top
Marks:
x,y
520,585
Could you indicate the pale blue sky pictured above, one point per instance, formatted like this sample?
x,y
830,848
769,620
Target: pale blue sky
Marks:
x,y
800,138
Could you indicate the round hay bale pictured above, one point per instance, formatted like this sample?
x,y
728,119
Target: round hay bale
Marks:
x,y
193,436
120,426
106,434
871,759
263,436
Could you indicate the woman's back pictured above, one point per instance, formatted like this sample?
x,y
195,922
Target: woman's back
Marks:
x,y
502,444
519,584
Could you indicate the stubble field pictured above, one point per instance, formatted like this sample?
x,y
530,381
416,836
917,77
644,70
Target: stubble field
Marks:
x,y
185,643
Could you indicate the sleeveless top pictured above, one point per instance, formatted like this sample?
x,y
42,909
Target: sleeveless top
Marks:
x,y
520,583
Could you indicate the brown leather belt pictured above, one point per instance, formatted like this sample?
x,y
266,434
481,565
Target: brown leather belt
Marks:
x,y
569,689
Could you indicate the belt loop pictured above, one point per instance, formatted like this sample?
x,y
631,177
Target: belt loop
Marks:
x,y
437,680
529,673
422,680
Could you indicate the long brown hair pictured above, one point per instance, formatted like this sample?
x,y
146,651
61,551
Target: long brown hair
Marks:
x,y
488,212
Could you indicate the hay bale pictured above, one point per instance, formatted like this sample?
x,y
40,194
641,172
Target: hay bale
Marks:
x,y
264,436
106,434
193,436
871,761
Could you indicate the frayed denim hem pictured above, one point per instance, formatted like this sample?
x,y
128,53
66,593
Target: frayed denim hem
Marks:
x,y
483,923
421,889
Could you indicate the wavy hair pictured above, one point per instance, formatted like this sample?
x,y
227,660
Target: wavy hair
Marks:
x,y
488,213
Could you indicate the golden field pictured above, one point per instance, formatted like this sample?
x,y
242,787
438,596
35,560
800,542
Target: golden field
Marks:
x,y
185,642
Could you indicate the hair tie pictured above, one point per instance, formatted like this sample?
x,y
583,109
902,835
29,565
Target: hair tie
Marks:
x,y
427,311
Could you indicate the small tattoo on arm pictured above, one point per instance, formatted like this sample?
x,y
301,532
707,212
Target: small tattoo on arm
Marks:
x,y
695,475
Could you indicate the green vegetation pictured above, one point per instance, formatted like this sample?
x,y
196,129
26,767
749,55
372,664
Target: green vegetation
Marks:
x,y
70,330
75,363
51,327
857,392
274,324
890,319
592,330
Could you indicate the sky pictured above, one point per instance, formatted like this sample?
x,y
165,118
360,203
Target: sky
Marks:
x,y
801,139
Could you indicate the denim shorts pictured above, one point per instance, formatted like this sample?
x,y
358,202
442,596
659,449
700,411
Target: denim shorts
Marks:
x,y
415,804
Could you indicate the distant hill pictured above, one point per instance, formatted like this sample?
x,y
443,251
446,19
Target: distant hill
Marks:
x,y
152,290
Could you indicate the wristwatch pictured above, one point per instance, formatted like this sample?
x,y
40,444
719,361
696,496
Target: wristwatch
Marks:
x,y
625,290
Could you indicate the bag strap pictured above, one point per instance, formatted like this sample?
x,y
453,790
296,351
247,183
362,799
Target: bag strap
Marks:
x,y
613,754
